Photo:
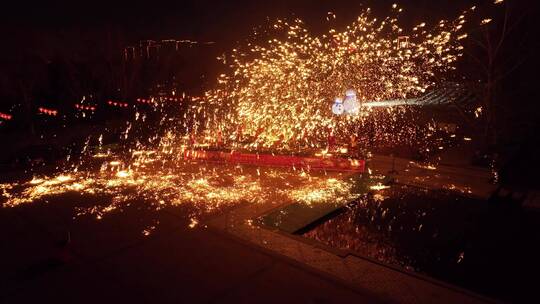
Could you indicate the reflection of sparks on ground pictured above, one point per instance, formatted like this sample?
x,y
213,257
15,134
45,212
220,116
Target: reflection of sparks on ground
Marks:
x,y
378,187
324,191
205,186
460,189
375,244
423,166
149,229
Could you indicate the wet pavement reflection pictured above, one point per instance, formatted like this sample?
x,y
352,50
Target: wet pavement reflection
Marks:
x,y
488,248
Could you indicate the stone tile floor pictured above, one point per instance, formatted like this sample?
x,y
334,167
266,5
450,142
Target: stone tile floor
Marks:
x,y
111,261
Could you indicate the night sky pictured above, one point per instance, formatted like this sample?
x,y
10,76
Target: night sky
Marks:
x,y
94,28
221,20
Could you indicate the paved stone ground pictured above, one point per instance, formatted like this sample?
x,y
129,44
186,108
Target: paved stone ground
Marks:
x,y
225,259
111,261
470,181
389,284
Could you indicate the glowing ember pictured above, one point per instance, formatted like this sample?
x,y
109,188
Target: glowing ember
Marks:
x,y
378,187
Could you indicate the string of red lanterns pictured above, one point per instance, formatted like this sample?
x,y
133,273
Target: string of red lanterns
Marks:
x,y
5,116
49,112
85,108
117,104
